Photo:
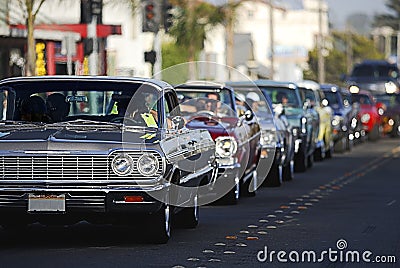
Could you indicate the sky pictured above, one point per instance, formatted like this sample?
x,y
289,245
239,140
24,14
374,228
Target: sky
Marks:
x,y
339,10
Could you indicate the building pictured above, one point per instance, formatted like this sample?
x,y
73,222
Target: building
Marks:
x,y
295,27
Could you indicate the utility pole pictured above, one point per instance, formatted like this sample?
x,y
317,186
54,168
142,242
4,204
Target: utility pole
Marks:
x,y
320,47
93,57
271,39
230,34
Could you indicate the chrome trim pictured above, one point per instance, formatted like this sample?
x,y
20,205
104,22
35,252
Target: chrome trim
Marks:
x,y
76,168
134,203
106,189
195,175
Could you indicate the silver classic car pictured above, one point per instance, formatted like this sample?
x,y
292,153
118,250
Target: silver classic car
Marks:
x,y
101,149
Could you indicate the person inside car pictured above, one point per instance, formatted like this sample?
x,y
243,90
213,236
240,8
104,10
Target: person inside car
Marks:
x,y
33,109
57,107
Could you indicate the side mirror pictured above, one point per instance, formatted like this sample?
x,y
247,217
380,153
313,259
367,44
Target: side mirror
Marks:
x,y
178,122
248,115
307,104
279,110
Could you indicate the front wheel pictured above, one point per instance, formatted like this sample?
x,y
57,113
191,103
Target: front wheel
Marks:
x,y
300,162
274,177
189,217
160,225
374,134
288,171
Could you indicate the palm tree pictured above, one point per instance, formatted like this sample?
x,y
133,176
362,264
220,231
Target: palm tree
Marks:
x,y
390,19
31,9
192,21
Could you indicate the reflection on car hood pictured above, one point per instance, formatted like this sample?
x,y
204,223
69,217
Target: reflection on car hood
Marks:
x,y
71,136
267,123
215,125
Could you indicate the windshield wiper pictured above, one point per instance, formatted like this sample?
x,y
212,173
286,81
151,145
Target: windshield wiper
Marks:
x,y
20,124
93,124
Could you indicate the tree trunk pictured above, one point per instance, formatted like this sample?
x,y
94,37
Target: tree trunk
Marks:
x,y
31,55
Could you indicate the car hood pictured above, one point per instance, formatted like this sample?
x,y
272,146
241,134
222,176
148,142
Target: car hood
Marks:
x,y
217,126
64,139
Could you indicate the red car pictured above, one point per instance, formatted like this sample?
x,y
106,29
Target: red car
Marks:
x,y
370,112
236,134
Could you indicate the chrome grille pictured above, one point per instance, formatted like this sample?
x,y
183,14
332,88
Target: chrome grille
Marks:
x,y
67,167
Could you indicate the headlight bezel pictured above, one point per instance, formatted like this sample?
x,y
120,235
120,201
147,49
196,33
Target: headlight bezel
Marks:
x,y
365,118
123,159
222,152
154,164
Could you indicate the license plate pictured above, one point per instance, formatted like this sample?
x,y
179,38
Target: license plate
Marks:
x,y
46,203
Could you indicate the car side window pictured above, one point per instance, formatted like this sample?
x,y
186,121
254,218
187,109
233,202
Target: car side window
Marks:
x,y
171,107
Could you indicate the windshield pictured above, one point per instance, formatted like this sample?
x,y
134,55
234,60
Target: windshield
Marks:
x,y
214,102
254,99
375,71
333,99
282,95
389,100
72,101
361,99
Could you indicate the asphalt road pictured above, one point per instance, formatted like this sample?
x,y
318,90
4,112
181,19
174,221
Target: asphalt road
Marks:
x,y
342,208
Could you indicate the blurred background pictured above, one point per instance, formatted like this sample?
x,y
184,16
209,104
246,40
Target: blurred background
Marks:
x,y
287,40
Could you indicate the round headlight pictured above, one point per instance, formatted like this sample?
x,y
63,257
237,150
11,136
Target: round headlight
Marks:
x,y
365,118
147,164
122,164
225,146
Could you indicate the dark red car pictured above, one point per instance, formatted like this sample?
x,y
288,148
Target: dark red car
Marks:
x,y
236,134
370,112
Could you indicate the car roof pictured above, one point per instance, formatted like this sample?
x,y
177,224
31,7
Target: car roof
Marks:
x,y
158,84
308,84
376,62
201,85
262,83
330,87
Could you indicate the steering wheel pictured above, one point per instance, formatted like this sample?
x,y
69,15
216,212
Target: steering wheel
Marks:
x,y
210,113
121,119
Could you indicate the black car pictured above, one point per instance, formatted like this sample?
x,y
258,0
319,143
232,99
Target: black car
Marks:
x,y
277,145
99,149
376,76
300,119
344,122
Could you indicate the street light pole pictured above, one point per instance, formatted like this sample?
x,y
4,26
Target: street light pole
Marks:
x,y
271,38
321,59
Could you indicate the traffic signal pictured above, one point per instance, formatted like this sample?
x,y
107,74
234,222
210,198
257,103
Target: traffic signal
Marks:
x,y
151,16
168,16
150,56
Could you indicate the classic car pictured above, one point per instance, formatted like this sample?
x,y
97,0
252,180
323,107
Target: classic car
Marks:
x,y
314,98
212,106
391,114
376,76
300,121
101,149
277,146
356,125
344,121
370,112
